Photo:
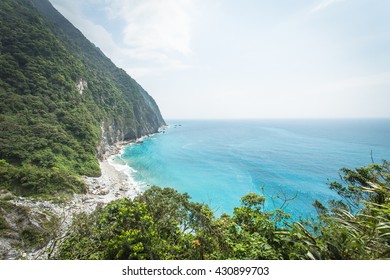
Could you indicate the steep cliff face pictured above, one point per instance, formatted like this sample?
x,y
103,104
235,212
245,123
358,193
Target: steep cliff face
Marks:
x,y
63,100
147,120
144,116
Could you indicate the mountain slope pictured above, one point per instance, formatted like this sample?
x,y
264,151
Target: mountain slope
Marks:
x,y
62,102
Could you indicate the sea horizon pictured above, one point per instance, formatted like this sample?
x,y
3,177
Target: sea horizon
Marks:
x,y
217,161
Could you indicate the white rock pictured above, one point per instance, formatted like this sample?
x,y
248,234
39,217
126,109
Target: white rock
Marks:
x,y
103,192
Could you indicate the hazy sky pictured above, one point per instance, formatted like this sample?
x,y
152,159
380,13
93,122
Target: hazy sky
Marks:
x,y
247,58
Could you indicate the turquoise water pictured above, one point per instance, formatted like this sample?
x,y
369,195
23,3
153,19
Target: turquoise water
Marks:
x,y
217,162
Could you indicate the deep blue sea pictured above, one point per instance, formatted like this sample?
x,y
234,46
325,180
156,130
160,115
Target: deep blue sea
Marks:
x,y
218,162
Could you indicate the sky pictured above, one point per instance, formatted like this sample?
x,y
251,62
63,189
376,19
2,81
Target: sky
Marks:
x,y
229,59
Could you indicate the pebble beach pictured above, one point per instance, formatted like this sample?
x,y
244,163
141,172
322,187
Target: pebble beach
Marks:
x,y
114,183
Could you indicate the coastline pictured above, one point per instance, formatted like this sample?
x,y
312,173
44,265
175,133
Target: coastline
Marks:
x,y
115,182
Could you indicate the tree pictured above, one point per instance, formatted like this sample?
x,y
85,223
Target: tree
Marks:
x,y
358,225
159,224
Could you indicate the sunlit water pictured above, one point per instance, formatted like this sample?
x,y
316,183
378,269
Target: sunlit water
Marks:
x,y
217,162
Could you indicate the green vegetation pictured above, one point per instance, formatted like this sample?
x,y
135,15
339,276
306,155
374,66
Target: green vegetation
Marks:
x,y
163,224
358,226
30,180
49,130
160,224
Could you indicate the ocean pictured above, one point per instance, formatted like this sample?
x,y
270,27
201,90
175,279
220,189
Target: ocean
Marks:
x,y
219,161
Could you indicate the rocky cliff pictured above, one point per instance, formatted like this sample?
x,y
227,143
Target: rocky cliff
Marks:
x,y
144,116
63,102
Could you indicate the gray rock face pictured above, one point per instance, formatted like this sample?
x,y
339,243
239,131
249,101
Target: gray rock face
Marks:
x,y
128,111
146,120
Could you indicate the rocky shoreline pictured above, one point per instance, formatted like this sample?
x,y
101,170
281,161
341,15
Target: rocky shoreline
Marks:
x,y
114,183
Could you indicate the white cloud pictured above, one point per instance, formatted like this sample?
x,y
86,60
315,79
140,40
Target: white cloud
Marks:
x,y
324,4
156,25
94,32
155,34
261,62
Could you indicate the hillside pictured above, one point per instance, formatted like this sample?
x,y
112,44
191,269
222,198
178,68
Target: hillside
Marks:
x,y
63,103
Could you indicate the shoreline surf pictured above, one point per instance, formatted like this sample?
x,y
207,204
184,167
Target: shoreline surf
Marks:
x,y
116,182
